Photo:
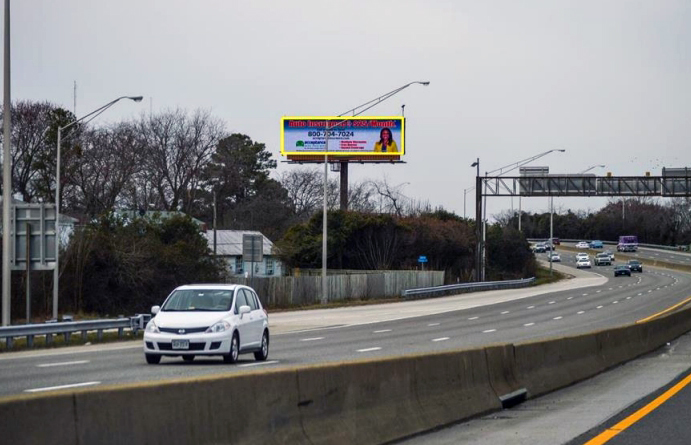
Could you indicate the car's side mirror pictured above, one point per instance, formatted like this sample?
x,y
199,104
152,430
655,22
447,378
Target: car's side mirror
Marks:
x,y
155,309
245,310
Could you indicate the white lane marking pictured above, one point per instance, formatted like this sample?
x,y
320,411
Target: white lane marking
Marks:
x,y
580,312
489,330
505,312
597,292
615,302
585,295
551,302
650,291
48,365
620,287
381,331
54,388
640,294
369,349
529,324
473,318
312,339
441,339
570,298
531,307
558,318
433,324
628,298
612,288
600,307
247,365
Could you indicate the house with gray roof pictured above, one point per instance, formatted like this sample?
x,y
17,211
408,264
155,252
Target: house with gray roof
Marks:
x,y
229,247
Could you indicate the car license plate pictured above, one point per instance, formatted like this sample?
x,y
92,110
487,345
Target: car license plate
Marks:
x,y
181,344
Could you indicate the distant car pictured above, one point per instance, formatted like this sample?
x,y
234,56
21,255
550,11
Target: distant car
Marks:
x,y
602,259
582,245
540,248
635,265
555,241
596,244
611,255
622,270
582,256
555,257
206,319
582,262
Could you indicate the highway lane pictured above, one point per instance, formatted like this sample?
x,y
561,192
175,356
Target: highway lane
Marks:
x,y
644,254
618,301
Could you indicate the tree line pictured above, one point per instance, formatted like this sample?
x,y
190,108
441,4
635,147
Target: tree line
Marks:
x,y
655,221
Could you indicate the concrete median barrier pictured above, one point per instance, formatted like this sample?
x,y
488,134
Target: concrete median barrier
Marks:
x,y
45,419
379,401
544,366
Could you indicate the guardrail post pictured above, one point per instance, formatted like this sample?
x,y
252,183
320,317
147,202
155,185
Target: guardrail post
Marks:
x,y
99,334
66,336
84,336
30,341
121,331
9,341
49,339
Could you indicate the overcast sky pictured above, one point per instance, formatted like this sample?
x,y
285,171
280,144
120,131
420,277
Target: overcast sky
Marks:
x,y
608,81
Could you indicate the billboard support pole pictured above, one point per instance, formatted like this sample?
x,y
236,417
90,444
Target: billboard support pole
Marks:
x,y
344,185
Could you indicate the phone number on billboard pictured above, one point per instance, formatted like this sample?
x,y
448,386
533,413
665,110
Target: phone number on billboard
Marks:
x,y
342,134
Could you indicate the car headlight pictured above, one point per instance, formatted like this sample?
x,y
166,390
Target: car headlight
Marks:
x,y
151,327
221,326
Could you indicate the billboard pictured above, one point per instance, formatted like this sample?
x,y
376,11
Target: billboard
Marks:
x,y
361,137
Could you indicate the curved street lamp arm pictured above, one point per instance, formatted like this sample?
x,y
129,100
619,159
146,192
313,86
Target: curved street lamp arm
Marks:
x,y
521,163
98,111
381,98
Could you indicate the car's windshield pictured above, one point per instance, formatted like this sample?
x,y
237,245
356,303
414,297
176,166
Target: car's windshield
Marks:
x,y
633,262
199,300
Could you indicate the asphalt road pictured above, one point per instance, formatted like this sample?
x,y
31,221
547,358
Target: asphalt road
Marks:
x,y
644,254
618,301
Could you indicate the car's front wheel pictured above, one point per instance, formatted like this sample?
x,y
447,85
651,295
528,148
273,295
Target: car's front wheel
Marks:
x,y
153,359
263,353
232,355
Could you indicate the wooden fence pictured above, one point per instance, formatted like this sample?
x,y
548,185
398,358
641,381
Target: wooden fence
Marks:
x,y
285,292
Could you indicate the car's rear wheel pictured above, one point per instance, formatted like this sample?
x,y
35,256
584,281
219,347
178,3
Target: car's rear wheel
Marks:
x,y
263,353
188,358
232,355
153,359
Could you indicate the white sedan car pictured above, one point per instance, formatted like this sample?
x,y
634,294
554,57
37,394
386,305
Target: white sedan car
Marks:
x,y
208,319
582,245
582,260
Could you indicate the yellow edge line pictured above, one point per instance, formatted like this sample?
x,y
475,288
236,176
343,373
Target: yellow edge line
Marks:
x,y
669,309
606,435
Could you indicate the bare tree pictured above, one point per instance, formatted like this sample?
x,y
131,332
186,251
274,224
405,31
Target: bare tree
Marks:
x,y
391,198
106,163
34,127
177,146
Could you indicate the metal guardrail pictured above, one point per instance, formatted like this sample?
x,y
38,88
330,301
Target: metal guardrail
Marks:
x,y
452,289
9,333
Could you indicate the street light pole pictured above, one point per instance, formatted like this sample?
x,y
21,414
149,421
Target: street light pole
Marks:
x,y
355,112
6,178
56,271
478,219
